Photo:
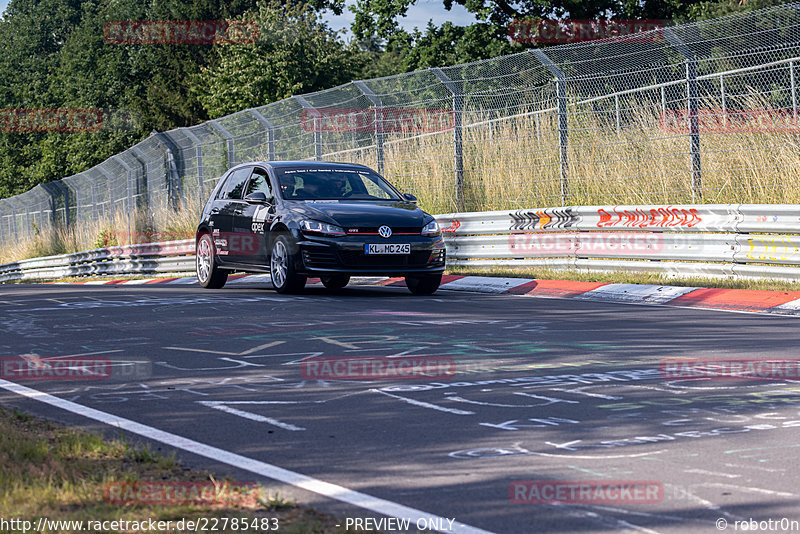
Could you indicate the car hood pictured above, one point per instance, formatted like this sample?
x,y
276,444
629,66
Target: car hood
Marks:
x,y
364,214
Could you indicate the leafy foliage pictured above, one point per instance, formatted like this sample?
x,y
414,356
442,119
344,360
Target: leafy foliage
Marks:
x,y
295,53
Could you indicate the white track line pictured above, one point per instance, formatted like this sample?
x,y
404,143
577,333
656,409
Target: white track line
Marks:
x,y
361,500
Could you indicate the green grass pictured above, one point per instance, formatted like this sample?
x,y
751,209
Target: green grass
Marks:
x,y
47,470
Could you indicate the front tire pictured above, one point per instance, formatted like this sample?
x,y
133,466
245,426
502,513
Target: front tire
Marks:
x,y
336,281
423,285
209,275
282,268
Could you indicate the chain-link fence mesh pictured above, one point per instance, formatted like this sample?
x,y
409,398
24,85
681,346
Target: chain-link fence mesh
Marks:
x,y
703,112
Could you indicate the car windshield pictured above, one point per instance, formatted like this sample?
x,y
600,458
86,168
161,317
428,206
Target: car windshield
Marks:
x,y
334,184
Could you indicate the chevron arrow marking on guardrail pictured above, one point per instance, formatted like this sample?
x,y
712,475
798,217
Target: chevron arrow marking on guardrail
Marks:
x,y
243,353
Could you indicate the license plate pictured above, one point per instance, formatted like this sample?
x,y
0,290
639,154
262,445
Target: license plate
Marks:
x,y
387,248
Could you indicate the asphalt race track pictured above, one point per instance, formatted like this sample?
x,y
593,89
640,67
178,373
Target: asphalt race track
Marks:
x,y
557,393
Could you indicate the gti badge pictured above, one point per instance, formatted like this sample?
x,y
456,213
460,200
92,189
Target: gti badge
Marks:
x,y
385,231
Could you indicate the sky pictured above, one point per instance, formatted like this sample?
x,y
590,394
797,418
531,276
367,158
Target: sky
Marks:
x,y
418,15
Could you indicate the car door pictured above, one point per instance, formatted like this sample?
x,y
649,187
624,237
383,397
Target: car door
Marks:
x,y
253,220
229,200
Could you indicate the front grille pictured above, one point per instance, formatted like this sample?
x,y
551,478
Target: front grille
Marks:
x,y
373,230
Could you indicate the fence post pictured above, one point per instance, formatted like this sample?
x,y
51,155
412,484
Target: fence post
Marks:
x,y
458,140
692,97
270,132
378,105
616,107
228,137
317,126
173,174
563,132
723,100
198,153
129,199
794,90
142,158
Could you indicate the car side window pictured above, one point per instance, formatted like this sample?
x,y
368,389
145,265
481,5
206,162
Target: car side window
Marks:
x,y
236,184
259,182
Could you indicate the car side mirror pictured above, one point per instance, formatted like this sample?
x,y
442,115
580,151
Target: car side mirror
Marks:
x,y
409,197
256,198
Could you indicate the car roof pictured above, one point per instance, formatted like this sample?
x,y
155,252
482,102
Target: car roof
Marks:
x,y
302,164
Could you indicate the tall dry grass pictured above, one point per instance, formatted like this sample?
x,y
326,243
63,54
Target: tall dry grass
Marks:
x,y
119,228
516,164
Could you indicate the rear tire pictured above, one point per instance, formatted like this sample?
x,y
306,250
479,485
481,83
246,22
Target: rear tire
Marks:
x,y
282,267
209,275
423,285
336,281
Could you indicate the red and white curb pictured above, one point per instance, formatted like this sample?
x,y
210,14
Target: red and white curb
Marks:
x,y
740,300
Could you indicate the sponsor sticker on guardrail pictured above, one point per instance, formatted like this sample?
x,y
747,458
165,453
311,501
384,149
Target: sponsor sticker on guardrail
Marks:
x,y
367,368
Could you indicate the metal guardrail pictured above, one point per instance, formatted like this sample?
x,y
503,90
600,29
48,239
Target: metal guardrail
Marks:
x,y
727,240
148,258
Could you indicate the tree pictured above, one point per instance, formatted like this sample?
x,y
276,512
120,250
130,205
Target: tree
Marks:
x,y
295,53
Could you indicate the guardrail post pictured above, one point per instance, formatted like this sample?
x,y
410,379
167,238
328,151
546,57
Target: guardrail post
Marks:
x,y
563,132
692,97
378,106
317,126
270,132
458,140
198,153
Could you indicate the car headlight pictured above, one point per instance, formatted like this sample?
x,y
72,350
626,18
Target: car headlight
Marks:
x,y
431,229
321,228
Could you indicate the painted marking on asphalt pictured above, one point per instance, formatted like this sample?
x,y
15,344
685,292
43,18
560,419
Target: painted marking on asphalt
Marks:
x,y
243,353
424,404
221,406
320,487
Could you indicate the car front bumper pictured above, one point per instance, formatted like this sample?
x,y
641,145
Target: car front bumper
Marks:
x,y
345,255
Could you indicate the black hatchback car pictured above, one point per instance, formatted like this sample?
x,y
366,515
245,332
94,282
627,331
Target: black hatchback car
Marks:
x,y
295,219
